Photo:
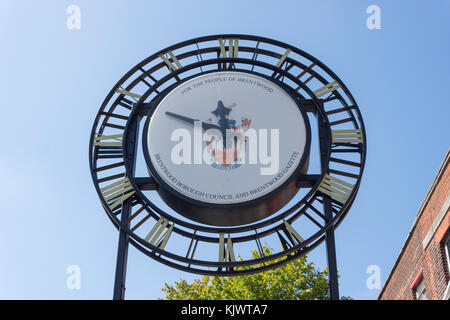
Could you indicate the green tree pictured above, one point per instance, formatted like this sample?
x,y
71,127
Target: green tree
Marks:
x,y
297,280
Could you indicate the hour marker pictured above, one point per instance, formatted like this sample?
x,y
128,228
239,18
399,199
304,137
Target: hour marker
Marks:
x,y
333,85
112,140
346,136
233,47
291,237
117,192
226,254
169,55
295,236
135,96
192,246
155,237
283,57
336,188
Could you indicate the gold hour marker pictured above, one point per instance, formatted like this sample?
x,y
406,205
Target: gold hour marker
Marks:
x,y
296,237
283,57
233,47
336,188
226,254
346,136
135,96
333,85
117,192
155,236
165,57
114,140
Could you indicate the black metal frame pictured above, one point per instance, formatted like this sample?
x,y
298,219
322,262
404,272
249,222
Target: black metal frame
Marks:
x,y
292,68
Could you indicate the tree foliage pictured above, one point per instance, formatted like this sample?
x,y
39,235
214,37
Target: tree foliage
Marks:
x,y
297,280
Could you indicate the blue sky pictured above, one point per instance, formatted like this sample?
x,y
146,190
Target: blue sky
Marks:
x,y
53,81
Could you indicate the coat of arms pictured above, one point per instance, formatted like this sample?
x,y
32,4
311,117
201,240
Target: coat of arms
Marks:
x,y
226,155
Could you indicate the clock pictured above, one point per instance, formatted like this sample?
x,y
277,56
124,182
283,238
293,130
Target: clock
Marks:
x,y
223,143
269,134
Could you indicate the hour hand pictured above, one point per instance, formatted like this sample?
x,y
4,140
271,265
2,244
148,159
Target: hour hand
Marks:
x,y
205,125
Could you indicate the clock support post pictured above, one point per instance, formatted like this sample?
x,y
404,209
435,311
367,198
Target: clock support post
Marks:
x,y
122,250
324,141
122,256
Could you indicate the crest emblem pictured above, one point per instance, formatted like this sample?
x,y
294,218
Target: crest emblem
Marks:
x,y
222,156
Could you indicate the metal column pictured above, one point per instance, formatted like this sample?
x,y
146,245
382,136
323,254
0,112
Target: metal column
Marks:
x,y
333,285
122,249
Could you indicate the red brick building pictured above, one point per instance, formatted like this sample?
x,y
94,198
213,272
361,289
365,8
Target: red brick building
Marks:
x,y
422,267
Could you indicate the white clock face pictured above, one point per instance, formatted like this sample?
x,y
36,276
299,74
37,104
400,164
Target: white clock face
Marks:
x,y
185,135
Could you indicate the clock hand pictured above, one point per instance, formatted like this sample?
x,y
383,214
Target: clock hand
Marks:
x,y
223,122
205,125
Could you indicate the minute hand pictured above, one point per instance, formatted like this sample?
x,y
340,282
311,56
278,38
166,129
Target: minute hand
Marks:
x,y
205,125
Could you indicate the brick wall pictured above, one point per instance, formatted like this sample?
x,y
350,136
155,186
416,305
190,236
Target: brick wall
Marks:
x,y
431,258
435,271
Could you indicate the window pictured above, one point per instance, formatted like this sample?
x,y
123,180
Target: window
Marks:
x,y
447,256
447,252
418,286
420,291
